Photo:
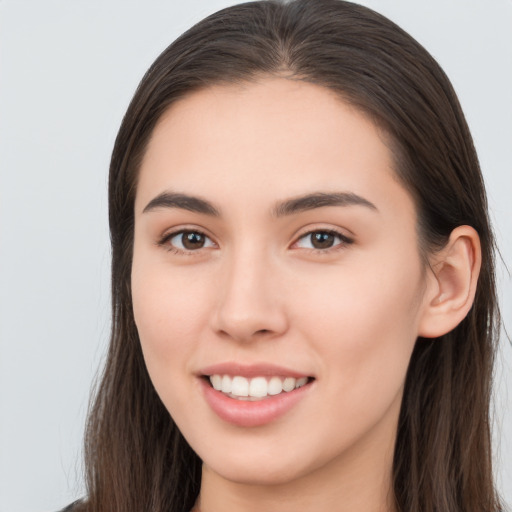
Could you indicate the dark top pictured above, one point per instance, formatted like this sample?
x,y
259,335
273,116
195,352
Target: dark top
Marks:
x,y
69,508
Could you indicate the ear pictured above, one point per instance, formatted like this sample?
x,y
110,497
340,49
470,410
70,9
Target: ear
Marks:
x,y
451,283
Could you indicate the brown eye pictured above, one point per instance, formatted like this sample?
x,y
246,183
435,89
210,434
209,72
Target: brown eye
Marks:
x,y
192,240
322,240
189,241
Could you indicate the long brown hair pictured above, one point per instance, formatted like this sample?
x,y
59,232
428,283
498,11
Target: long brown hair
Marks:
x,y
136,458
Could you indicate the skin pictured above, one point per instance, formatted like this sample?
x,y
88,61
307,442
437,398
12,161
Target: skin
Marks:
x,y
258,291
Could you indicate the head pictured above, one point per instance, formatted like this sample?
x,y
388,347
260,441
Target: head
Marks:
x,y
390,98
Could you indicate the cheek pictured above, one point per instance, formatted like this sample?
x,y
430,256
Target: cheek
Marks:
x,y
169,313
364,325
169,317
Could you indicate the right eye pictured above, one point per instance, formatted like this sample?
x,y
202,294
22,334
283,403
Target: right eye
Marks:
x,y
187,240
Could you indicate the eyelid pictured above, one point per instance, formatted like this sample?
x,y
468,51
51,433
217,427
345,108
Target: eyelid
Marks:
x,y
164,239
344,239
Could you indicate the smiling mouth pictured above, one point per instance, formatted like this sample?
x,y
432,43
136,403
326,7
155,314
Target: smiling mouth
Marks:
x,y
256,388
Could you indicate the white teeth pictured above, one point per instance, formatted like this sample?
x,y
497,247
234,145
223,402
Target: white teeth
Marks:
x,y
226,384
240,386
258,387
216,381
275,386
289,384
300,382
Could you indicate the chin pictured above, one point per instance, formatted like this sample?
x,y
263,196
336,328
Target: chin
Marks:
x,y
267,467
256,475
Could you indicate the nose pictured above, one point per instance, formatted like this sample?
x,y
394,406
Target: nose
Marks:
x,y
250,303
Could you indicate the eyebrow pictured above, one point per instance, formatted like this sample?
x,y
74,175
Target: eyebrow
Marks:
x,y
285,208
183,202
320,200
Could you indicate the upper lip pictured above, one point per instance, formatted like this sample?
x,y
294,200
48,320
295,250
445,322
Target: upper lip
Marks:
x,y
251,370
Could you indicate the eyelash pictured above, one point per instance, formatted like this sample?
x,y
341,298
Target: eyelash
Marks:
x,y
166,238
343,241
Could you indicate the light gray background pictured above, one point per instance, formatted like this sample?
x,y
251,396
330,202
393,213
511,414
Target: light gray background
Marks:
x,y
68,69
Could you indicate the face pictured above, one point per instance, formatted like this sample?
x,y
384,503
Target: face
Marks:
x,y
277,284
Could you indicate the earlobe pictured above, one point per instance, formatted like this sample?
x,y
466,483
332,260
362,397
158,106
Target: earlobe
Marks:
x,y
451,291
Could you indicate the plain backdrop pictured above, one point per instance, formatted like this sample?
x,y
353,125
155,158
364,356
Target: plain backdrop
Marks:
x,y
68,69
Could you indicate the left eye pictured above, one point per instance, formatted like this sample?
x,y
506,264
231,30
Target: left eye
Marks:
x,y
321,240
190,241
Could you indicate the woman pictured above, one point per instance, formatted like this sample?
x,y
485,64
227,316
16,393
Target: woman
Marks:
x,y
304,308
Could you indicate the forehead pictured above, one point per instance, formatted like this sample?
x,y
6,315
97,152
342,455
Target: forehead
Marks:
x,y
264,140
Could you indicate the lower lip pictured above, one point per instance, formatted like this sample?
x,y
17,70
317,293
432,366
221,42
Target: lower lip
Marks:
x,y
244,413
